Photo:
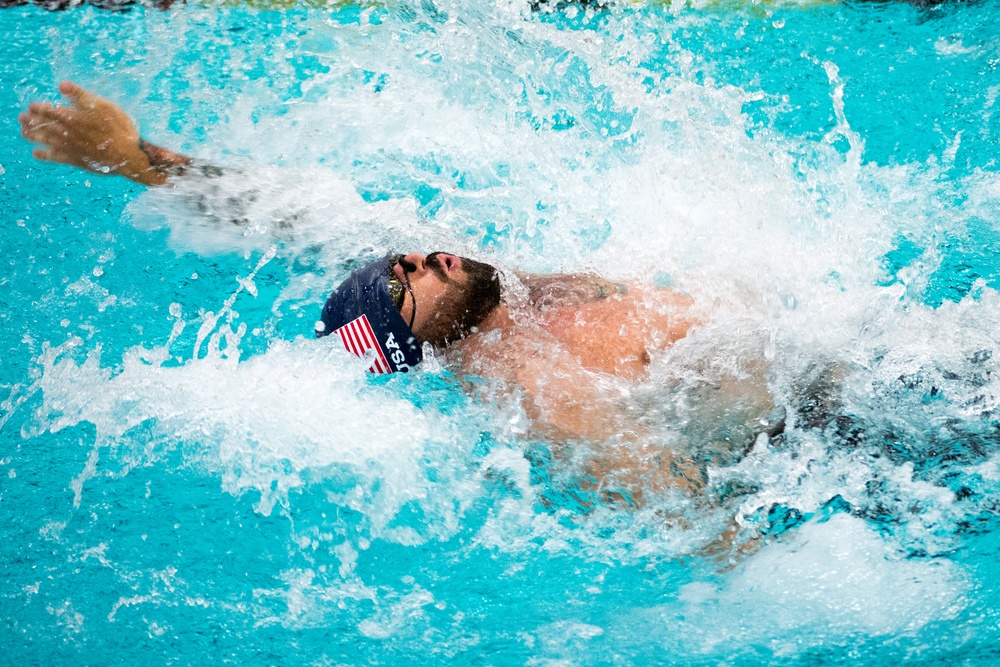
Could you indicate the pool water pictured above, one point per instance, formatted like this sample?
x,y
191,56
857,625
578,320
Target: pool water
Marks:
x,y
187,477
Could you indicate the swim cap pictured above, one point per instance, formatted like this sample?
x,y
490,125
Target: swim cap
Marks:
x,y
361,313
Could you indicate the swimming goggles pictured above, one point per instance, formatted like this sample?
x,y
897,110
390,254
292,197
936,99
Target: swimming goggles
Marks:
x,y
397,286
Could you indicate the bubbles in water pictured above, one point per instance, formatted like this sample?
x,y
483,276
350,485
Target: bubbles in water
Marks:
x,y
824,398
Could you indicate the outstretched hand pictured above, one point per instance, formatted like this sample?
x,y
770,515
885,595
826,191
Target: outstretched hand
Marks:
x,y
92,133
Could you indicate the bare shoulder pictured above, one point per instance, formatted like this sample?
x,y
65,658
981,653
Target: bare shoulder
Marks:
x,y
558,290
565,290
662,298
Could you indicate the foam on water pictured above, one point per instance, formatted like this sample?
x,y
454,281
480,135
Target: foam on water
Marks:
x,y
487,130
301,410
826,583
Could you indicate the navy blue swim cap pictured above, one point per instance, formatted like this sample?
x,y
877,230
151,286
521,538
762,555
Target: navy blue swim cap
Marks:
x,y
361,312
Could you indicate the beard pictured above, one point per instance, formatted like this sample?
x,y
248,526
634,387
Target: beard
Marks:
x,y
465,304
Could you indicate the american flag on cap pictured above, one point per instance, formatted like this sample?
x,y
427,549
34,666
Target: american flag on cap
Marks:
x,y
364,316
359,339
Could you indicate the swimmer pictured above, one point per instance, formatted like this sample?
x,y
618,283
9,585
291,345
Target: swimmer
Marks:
x,y
565,346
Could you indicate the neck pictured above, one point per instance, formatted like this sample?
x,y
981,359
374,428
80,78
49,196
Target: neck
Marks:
x,y
499,318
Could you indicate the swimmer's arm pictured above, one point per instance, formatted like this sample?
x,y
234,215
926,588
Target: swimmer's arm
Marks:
x,y
97,135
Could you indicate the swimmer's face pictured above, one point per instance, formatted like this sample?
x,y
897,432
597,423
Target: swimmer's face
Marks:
x,y
452,294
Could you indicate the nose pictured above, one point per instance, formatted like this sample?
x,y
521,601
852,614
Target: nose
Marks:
x,y
415,264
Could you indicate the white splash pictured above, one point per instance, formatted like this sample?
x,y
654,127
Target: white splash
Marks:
x,y
826,583
451,128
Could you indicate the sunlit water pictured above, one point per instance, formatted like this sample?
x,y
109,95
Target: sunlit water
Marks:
x,y
188,477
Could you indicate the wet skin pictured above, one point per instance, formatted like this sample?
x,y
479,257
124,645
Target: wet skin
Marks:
x,y
612,333
562,352
426,286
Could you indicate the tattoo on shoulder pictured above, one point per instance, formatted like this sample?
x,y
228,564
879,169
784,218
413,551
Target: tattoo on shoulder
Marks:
x,y
552,291
606,288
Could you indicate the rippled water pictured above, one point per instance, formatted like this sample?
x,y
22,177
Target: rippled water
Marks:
x,y
187,477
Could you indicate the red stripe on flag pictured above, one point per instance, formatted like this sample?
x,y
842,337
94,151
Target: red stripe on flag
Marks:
x,y
346,340
381,363
362,330
358,338
350,340
357,345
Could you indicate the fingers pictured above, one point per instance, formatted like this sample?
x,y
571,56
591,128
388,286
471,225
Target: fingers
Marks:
x,y
77,95
41,126
38,113
30,122
46,134
44,154
53,154
41,119
40,108
41,112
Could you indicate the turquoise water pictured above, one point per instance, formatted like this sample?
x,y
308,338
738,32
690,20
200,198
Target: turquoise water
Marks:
x,y
187,477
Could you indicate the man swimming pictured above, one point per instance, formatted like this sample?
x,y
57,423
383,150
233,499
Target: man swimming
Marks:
x,y
562,344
